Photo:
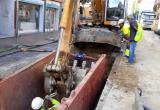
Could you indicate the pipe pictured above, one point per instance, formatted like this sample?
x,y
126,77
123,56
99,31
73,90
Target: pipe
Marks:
x,y
59,44
17,21
44,21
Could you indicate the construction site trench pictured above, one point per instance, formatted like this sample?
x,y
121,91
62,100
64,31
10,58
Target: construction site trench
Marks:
x,y
27,83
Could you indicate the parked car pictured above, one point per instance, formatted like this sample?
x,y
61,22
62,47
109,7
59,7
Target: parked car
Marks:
x,y
146,19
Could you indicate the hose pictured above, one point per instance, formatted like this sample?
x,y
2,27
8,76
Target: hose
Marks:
x,y
38,45
30,50
8,49
30,47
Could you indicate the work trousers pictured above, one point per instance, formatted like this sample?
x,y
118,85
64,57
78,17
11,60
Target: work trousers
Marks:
x,y
132,48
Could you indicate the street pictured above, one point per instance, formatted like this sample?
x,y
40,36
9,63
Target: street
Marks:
x,y
11,61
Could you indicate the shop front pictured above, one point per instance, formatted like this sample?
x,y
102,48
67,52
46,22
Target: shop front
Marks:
x,y
52,16
6,18
30,16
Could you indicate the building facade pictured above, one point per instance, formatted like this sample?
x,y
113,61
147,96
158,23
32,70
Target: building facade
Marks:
x,y
156,23
7,26
53,11
30,16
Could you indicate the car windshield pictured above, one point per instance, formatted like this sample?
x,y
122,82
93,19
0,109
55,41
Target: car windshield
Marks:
x,y
148,17
115,3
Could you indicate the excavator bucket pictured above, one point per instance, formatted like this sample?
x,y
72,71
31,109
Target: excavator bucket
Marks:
x,y
97,35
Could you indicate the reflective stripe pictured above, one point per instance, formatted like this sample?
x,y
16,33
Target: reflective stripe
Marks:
x,y
126,30
54,102
138,36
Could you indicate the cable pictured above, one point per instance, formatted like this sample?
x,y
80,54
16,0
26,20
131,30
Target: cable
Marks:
x,y
39,50
38,45
8,49
30,47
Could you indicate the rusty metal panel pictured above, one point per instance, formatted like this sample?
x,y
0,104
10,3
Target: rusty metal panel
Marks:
x,y
18,90
85,94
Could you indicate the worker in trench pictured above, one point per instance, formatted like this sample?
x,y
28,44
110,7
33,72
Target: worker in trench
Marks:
x,y
132,32
48,103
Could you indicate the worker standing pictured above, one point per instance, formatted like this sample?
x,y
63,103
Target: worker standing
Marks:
x,y
132,31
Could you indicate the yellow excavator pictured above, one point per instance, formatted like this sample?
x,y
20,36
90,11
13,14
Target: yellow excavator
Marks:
x,y
79,46
108,12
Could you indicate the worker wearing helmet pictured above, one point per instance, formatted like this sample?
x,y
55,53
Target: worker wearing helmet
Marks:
x,y
131,31
38,103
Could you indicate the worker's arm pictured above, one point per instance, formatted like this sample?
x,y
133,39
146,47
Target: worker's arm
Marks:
x,y
85,57
90,58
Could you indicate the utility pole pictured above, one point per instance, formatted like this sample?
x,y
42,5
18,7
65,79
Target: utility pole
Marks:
x,y
17,21
44,22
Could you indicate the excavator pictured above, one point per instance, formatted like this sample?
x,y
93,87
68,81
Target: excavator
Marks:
x,y
79,47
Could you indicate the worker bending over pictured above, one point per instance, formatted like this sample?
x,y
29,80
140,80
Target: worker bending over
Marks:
x,y
44,104
131,31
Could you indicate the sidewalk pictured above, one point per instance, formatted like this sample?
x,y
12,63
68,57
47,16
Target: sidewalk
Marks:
x,y
119,92
12,62
28,39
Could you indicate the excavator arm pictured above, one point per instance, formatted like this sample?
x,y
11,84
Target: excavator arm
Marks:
x,y
69,16
58,76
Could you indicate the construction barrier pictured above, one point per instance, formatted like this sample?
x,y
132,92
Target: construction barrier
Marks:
x,y
85,94
18,90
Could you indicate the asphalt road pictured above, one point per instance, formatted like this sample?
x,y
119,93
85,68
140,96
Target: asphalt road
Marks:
x,y
9,63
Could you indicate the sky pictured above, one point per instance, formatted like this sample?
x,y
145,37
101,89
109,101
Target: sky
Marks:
x,y
147,5
144,5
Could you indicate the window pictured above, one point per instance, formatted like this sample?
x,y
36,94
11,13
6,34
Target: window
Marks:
x,y
28,16
115,9
115,3
28,12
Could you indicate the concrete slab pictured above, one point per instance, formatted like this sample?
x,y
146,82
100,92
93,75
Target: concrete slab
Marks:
x,y
144,73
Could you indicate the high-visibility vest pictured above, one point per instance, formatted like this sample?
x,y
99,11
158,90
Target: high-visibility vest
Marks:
x,y
138,36
125,30
54,104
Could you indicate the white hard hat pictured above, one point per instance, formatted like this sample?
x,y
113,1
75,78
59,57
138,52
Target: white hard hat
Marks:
x,y
121,21
37,103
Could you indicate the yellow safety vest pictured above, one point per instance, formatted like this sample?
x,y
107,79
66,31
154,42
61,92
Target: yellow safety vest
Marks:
x,y
138,36
125,30
54,104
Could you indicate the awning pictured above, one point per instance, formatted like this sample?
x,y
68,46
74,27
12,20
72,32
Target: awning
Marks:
x,y
52,5
36,2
